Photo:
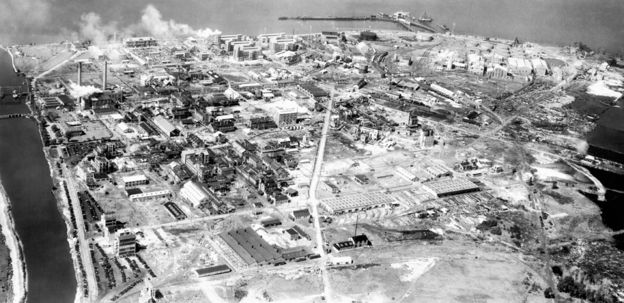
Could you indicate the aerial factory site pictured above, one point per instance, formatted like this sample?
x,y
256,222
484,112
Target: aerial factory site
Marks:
x,y
406,163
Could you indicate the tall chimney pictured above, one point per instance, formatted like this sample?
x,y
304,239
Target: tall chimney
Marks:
x,y
80,73
104,75
80,83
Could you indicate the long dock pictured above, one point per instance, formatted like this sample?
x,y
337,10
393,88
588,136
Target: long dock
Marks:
x,y
408,25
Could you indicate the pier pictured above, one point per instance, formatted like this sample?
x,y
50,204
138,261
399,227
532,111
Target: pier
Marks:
x,y
599,190
407,25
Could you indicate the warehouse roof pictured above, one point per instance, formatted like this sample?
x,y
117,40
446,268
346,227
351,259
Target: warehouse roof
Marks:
x,y
164,125
134,178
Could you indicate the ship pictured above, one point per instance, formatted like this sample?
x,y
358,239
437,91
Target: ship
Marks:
x,y
425,18
282,18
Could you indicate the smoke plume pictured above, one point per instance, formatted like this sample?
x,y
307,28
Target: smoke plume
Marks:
x,y
91,28
22,16
582,147
152,23
82,91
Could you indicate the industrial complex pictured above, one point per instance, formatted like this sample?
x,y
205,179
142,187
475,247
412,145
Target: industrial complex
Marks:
x,y
340,166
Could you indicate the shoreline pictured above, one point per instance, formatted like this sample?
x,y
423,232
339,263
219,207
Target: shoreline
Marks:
x,y
64,209
19,275
7,49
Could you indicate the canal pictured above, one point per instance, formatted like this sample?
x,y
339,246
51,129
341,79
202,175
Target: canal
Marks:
x,y
26,178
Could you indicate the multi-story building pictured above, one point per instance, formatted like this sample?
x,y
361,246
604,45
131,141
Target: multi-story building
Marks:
x,y
125,244
261,123
281,44
140,42
102,165
285,116
134,180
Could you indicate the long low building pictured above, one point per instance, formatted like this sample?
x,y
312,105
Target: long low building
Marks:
x,y
449,187
134,180
357,202
135,194
213,270
250,247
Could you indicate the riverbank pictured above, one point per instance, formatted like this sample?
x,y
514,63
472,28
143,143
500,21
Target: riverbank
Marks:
x,y
18,266
64,208
8,50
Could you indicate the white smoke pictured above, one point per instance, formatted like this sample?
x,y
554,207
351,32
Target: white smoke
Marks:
x,y
154,24
17,16
582,147
92,28
82,91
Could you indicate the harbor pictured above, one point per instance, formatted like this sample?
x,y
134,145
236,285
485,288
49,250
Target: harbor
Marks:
x,y
424,23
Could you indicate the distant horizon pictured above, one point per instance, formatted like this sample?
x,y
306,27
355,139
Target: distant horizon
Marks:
x,y
558,22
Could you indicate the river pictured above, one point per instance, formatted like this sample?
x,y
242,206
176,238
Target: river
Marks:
x,y
26,178
23,168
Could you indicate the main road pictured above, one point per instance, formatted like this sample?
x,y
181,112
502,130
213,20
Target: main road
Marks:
x,y
316,176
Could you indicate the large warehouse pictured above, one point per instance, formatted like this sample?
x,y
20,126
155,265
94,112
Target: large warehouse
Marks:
x,y
250,247
449,187
357,202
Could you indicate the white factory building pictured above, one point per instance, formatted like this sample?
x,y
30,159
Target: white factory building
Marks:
x,y
194,193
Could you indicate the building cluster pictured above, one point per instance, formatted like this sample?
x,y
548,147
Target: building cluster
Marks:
x,y
245,48
496,59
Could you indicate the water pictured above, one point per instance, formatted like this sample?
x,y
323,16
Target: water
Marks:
x,y
22,164
613,208
40,227
597,23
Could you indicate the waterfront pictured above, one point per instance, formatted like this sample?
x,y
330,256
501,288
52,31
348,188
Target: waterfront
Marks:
x,y
554,21
26,178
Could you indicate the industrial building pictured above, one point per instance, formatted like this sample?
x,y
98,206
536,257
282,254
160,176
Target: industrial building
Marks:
x,y
368,36
285,116
137,195
250,247
270,222
102,165
140,42
246,51
125,244
50,102
196,194
449,187
281,44
261,123
540,67
134,180
313,91
357,202
165,127
299,214
212,270
520,66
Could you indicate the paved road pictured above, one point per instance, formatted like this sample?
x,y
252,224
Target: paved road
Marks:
x,y
316,176
85,251
74,56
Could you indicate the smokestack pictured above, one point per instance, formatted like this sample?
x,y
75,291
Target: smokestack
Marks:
x,y
80,73
104,75
80,83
